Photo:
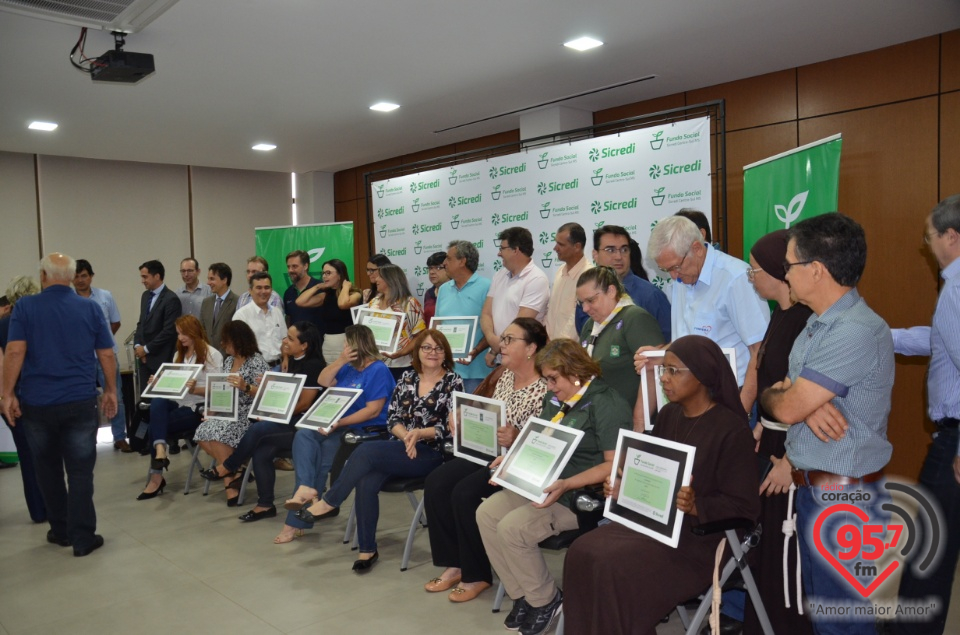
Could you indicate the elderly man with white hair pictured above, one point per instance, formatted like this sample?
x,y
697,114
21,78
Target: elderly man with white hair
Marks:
x,y
51,340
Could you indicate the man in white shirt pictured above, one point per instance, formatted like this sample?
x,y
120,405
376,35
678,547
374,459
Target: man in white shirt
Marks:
x,y
562,308
256,264
266,321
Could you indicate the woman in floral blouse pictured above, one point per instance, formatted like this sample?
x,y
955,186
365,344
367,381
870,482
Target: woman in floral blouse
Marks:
x,y
417,418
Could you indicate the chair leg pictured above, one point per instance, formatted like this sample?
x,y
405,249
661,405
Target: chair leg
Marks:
x,y
206,483
498,600
754,592
559,629
408,547
351,525
243,484
194,463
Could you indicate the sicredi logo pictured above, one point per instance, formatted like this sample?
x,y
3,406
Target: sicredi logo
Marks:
x,y
557,186
504,170
426,229
384,212
547,237
419,186
610,206
457,201
393,253
605,153
498,219
673,168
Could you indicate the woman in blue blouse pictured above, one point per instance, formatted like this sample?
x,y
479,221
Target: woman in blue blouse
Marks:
x,y
417,418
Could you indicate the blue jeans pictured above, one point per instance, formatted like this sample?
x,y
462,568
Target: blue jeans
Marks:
x,y
28,472
373,463
118,425
261,442
471,385
64,437
168,417
822,584
313,456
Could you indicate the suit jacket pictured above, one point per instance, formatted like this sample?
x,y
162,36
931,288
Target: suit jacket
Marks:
x,y
213,328
157,329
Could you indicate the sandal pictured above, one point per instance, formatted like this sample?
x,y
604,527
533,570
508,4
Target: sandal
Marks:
x,y
282,540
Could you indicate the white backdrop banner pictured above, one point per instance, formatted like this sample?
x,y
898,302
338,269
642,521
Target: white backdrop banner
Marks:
x,y
631,179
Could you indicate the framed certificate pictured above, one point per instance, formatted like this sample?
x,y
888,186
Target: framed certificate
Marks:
x,y
460,331
277,397
329,408
537,458
222,399
477,421
354,310
651,383
652,472
386,326
170,382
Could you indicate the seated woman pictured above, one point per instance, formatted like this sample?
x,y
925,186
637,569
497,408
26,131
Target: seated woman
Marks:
x,y
358,366
300,352
172,417
394,295
218,437
335,295
419,408
510,526
619,581
455,489
616,328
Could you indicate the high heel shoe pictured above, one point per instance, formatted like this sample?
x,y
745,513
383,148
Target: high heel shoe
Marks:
x,y
148,495
362,566
307,517
160,464
213,475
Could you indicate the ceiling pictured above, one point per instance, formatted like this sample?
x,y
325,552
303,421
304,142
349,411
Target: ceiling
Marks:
x,y
302,73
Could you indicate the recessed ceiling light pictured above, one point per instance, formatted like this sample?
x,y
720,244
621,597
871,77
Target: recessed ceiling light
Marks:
x,y
384,106
583,43
42,125
264,147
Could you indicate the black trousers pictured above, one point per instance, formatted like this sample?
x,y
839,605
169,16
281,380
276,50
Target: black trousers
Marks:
x,y
452,494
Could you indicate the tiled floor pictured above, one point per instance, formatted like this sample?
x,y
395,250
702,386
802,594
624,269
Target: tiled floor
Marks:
x,y
185,564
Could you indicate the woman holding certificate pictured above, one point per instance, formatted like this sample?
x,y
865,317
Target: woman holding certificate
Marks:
x,y
510,526
395,296
334,296
618,580
615,328
171,417
419,408
455,489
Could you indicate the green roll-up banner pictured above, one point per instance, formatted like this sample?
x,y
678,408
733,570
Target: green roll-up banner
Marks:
x,y
781,191
323,242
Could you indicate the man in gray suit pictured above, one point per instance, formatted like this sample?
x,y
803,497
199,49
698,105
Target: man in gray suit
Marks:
x,y
156,336
218,307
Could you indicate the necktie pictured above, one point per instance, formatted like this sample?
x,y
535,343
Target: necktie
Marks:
x,y
216,308
153,300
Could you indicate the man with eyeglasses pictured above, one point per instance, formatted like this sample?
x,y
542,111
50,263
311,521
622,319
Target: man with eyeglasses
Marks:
x,y
611,248
519,289
565,317
192,293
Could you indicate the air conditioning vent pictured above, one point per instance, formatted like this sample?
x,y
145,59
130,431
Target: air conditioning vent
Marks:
x,y
128,16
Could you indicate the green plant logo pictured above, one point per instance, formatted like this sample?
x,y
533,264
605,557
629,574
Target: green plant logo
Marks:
x,y
541,188
497,188
380,213
657,135
416,201
655,171
596,207
544,156
594,155
494,173
600,224
597,171
452,201
380,191
413,188
792,211
456,217
495,219
453,171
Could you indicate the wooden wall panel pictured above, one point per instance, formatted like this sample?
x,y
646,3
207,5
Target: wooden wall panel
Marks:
x,y
432,153
877,77
344,185
636,109
950,61
755,101
888,182
370,167
949,145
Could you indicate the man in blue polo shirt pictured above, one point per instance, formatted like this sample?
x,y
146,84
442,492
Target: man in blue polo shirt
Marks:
x,y
465,294
52,336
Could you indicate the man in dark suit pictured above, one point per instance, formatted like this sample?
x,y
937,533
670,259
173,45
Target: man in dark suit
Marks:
x,y
156,337
218,307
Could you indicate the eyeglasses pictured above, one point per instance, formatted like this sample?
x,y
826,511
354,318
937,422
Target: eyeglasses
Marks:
x,y
507,340
787,265
551,379
504,248
752,273
375,270
426,348
436,268
929,236
623,251
589,301
671,370
674,268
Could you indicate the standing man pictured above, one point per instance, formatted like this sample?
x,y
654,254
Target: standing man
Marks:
x,y
298,270
941,470
156,336
564,315
218,308
520,289
52,336
836,400
82,284
256,264
264,320
192,293
438,276
611,248
465,294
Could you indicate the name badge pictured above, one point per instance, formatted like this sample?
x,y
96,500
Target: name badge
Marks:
x,y
615,351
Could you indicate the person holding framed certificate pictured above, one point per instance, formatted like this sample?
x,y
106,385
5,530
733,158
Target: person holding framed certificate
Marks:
x,y
171,417
510,526
395,296
614,577
419,409
455,489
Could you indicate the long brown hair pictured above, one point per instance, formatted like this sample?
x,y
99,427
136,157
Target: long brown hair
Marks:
x,y
191,327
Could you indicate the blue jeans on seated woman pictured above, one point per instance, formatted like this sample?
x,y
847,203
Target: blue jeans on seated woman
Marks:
x,y
373,463
169,418
313,455
261,442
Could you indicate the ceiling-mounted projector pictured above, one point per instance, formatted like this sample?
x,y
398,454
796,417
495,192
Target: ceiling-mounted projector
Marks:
x,y
122,67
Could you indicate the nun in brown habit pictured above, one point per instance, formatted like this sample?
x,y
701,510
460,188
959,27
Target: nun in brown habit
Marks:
x,y
616,580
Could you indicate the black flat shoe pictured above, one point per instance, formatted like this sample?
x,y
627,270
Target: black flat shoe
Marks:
x,y
86,551
362,566
252,516
305,515
233,502
54,539
160,464
148,495
212,475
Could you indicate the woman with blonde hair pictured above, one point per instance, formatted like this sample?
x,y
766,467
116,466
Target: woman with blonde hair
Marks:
x,y
394,295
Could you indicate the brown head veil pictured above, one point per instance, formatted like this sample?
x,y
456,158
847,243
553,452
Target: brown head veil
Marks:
x,y
770,252
710,366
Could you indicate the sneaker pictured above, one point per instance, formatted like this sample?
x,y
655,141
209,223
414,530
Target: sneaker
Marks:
x,y
517,615
540,619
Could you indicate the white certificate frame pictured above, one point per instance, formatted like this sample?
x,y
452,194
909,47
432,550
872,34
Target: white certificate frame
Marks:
x,y
652,387
229,414
354,310
519,483
364,315
494,406
273,413
165,370
661,451
352,394
471,321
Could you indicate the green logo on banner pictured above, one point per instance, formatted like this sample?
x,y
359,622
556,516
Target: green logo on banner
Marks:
x,y
494,173
670,169
789,213
547,237
497,219
557,186
453,176
545,210
594,154
457,201
419,186
656,143
605,153
543,161
654,171
321,242
611,206
597,177
658,196
384,212
380,191
426,229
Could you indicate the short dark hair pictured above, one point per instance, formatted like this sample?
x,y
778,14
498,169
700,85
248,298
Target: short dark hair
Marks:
x,y
834,240
616,230
946,215
309,334
239,335
223,271
261,260
636,261
436,259
84,265
536,333
518,238
380,260
603,278
260,275
196,265
301,254
577,235
154,268
699,219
